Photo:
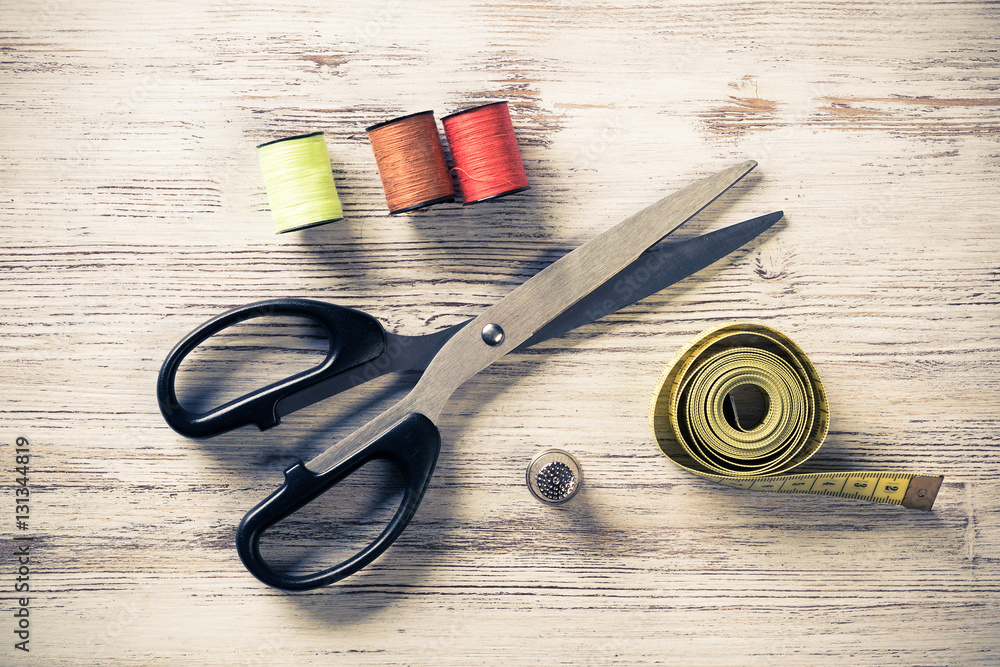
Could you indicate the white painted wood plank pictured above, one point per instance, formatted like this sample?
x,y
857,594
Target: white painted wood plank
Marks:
x,y
132,209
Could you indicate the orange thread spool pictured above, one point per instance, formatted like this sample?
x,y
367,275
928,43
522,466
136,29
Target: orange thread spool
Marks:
x,y
411,162
485,153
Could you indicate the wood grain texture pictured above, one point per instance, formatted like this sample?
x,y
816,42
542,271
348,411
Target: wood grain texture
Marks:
x,y
132,209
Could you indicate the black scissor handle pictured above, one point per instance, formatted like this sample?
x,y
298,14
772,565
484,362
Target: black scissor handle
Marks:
x,y
412,444
354,338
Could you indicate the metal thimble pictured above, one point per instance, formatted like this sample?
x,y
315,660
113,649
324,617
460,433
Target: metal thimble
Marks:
x,y
554,476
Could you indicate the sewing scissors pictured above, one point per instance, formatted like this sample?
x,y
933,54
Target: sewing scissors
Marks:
x,y
612,270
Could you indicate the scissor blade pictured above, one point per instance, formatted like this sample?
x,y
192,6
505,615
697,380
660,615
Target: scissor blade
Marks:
x,y
560,285
534,304
657,268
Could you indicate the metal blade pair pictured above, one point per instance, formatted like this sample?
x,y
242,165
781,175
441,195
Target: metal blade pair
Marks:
x,y
610,268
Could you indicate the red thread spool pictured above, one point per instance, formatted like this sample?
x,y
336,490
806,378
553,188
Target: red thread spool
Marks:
x,y
411,162
485,153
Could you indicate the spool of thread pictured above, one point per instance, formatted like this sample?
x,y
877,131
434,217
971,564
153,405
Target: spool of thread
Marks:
x,y
411,162
299,182
484,151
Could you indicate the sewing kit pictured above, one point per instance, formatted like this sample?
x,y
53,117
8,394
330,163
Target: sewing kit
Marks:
x,y
741,404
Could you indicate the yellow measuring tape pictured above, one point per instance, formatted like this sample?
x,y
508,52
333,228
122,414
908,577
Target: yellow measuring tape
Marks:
x,y
742,405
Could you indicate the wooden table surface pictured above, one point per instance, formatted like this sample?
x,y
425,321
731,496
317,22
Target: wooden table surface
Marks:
x,y
132,209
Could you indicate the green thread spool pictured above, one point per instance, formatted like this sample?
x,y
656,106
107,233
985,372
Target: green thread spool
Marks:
x,y
299,182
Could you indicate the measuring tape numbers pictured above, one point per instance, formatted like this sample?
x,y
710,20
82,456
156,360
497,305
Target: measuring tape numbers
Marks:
x,y
742,405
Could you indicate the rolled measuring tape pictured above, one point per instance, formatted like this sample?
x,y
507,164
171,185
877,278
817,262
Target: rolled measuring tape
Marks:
x,y
742,405
299,182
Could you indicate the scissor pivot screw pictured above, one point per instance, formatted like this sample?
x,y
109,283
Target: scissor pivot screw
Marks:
x,y
492,334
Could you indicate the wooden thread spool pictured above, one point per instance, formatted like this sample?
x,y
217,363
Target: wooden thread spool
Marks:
x,y
299,182
411,162
485,153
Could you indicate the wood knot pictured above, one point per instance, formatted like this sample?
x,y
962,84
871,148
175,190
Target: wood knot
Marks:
x,y
771,263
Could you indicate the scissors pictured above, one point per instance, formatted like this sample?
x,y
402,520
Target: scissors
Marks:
x,y
612,270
